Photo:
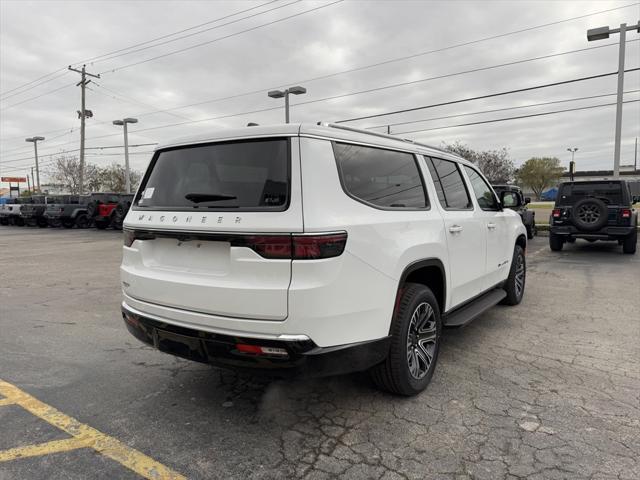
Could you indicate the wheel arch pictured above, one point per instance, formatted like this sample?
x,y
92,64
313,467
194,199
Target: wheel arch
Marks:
x,y
429,272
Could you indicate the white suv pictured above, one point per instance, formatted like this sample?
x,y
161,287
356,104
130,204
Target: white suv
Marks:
x,y
315,249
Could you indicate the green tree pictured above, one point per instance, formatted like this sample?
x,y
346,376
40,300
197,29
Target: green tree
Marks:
x,y
496,165
540,173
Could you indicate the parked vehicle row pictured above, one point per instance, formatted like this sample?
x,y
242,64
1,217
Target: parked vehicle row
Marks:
x,y
102,210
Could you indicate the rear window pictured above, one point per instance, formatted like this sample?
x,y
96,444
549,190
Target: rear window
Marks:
x,y
609,192
382,178
247,175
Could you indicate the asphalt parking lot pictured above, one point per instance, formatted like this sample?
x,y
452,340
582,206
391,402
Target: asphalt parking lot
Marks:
x,y
546,390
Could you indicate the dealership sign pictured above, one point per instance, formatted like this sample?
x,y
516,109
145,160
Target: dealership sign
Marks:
x,y
13,179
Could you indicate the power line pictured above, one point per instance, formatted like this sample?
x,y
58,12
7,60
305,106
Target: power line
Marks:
x,y
196,33
133,132
500,109
77,150
132,46
126,98
34,86
385,62
490,95
98,57
308,80
36,97
516,118
208,42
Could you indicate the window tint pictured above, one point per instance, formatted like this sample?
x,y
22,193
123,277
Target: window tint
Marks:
x,y
384,178
449,184
247,175
482,190
609,192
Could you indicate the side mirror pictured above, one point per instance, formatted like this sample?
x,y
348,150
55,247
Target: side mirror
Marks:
x,y
636,199
527,200
510,199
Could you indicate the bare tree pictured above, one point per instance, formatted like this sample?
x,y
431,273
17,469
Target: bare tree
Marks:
x,y
496,165
66,172
112,178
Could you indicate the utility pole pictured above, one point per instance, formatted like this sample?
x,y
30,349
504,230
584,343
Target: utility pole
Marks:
x,y
33,180
601,33
29,183
635,157
83,113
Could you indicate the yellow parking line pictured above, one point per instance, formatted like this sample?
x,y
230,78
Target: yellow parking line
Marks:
x,y
54,446
6,401
88,436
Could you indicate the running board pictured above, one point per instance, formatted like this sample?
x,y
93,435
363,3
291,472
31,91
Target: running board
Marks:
x,y
468,312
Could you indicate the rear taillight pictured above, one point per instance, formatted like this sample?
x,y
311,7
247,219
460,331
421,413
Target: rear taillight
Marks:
x,y
295,247
309,247
267,246
625,213
283,247
556,213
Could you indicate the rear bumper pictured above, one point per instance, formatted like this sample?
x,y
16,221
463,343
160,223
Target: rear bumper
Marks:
x,y
303,357
606,233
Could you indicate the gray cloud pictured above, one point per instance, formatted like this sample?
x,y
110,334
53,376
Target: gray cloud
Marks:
x,y
41,37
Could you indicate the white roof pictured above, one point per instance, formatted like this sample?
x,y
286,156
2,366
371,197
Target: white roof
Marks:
x,y
329,131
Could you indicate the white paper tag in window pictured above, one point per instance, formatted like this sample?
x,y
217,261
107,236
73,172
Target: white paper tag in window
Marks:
x,y
148,192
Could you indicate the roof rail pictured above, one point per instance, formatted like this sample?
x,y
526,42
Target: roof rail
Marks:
x,y
378,134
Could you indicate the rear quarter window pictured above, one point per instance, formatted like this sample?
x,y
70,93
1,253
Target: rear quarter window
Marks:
x,y
381,178
609,192
248,175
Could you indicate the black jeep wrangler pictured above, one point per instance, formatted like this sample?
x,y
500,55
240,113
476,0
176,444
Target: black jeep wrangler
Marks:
x,y
32,213
71,210
594,210
528,217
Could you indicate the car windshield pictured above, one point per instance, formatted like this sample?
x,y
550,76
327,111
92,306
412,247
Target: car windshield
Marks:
x,y
609,192
246,175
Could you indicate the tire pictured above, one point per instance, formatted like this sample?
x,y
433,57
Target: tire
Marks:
x,y
42,222
589,214
555,242
19,222
530,231
82,221
516,281
102,224
630,243
407,370
4,221
68,223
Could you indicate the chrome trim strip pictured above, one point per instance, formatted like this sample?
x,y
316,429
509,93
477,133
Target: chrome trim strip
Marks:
x,y
222,331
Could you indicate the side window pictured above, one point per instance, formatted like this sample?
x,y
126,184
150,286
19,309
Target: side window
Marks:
x,y
449,184
482,190
383,178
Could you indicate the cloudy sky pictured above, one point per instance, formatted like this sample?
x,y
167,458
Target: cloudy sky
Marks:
x,y
175,64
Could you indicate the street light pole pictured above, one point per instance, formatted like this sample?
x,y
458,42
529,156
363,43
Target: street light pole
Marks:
x,y
35,141
572,165
297,90
127,177
601,33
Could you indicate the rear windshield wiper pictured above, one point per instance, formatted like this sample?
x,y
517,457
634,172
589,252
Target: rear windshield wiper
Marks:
x,y
208,197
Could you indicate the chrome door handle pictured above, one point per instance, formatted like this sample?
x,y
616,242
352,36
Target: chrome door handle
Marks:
x,y
455,228
491,226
